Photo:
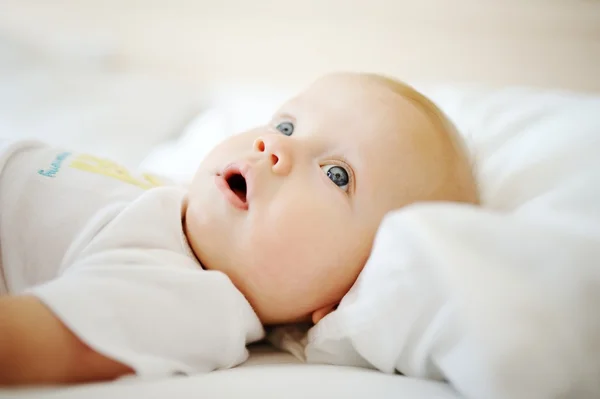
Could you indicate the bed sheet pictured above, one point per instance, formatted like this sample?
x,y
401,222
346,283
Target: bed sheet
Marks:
x,y
267,374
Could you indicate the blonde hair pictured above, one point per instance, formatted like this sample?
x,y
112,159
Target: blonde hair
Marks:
x,y
460,168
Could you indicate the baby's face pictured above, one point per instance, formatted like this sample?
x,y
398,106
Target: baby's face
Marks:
x,y
289,210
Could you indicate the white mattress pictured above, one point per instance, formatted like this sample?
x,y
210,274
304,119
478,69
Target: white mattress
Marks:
x,y
267,374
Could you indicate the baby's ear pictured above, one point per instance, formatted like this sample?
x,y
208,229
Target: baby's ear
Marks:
x,y
322,312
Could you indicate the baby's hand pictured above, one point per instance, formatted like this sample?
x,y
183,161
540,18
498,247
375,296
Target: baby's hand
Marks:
x,y
37,348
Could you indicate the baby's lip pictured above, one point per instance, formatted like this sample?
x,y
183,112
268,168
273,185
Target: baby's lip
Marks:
x,y
235,183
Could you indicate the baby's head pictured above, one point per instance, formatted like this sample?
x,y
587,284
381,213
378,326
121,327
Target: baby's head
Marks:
x,y
289,210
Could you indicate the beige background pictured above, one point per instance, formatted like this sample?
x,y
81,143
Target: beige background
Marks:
x,y
552,43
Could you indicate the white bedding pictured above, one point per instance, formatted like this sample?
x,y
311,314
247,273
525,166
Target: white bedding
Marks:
x,y
87,107
268,374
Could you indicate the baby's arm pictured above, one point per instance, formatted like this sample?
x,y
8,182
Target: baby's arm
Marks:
x,y
37,348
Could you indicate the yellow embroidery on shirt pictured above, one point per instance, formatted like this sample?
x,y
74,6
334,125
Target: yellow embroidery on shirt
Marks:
x,y
92,164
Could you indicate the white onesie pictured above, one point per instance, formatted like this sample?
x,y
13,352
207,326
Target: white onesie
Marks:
x,y
106,252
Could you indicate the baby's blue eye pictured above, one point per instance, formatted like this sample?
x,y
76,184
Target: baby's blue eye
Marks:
x,y
286,128
338,175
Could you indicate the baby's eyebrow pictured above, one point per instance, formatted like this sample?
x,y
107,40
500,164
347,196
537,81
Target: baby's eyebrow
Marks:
x,y
279,115
290,108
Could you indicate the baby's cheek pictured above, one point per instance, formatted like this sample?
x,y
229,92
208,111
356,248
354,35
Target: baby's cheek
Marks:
x,y
287,239
300,242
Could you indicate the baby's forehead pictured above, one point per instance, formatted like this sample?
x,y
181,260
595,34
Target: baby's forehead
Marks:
x,y
360,105
346,86
358,100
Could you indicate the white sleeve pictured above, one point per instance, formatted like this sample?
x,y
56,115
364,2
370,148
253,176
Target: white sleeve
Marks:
x,y
158,320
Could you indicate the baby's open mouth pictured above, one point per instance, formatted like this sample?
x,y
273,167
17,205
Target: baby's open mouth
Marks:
x,y
237,184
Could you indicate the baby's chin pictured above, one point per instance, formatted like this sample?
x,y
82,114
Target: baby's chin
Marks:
x,y
271,313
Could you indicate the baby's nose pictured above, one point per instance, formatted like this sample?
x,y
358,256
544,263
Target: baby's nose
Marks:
x,y
278,149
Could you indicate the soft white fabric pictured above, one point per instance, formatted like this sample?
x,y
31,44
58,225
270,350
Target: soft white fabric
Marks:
x,y
500,300
267,374
89,104
230,113
179,158
105,250
269,380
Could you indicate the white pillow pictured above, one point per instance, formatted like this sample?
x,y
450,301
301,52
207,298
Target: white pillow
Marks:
x,y
502,300
230,113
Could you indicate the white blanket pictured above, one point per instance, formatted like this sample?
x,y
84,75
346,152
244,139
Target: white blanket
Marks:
x,y
501,301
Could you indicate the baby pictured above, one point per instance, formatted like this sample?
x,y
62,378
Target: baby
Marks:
x,y
106,274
